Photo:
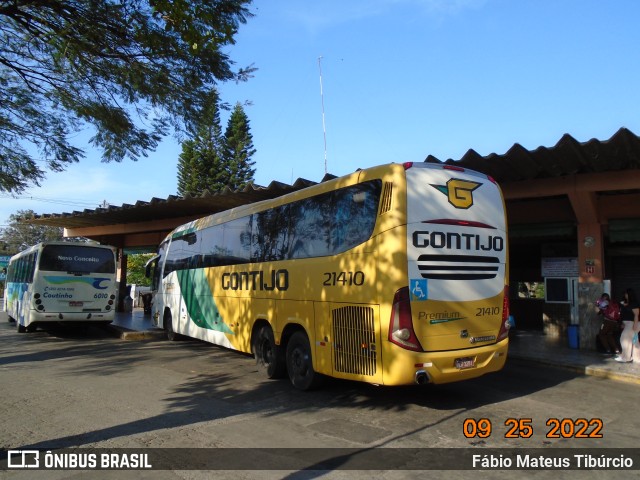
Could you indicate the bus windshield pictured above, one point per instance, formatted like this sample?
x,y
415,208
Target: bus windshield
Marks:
x,y
77,259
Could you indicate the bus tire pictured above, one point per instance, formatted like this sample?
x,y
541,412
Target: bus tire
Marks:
x,y
300,363
270,358
21,328
172,336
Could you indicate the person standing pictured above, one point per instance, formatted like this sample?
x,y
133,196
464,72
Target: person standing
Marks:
x,y
629,307
609,327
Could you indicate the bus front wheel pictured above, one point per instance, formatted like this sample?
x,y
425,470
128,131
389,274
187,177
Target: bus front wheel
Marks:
x,y
300,364
21,328
172,336
269,356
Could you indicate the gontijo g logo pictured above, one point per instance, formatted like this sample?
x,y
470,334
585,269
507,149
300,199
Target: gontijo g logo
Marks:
x,y
458,192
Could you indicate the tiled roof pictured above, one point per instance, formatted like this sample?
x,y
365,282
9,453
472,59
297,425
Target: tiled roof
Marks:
x,y
567,157
170,207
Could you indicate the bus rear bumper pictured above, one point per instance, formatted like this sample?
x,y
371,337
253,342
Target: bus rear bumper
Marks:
x,y
446,367
71,317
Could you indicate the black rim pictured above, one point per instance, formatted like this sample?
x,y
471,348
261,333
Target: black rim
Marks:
x,y
300,362
266,352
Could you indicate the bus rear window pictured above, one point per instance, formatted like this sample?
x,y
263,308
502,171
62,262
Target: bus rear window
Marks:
x,y
77,259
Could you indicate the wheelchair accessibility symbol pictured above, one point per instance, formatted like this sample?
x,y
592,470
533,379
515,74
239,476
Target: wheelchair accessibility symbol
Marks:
x,y
419,290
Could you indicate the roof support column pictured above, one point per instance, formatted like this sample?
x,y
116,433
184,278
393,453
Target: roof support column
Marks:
x,y
590,237
590,252
591,273
122,279
584,202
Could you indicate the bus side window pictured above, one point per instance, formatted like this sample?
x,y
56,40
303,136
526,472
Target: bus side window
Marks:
x,y
236,241
270,235
354,215
311,223
31,266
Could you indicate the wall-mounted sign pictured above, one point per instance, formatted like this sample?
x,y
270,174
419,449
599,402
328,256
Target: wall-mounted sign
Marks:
x,y
560,267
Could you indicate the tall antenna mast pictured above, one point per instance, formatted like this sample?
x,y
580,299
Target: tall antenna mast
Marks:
x,y
324,129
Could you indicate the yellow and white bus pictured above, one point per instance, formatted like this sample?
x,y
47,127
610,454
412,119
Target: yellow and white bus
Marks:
x,y
56,282
391,275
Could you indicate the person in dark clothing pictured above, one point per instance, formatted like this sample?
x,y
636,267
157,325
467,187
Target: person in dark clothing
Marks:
x,y
609,328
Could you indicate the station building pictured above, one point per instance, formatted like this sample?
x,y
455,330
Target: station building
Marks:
x,y
573,211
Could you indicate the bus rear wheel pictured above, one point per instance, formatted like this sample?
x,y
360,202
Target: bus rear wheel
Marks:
x,y
269,356
300,364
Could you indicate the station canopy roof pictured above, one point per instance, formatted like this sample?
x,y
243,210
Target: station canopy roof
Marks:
x,y
170,207
566,157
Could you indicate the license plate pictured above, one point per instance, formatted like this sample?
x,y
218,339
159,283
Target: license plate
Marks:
x,y
466,362
75,304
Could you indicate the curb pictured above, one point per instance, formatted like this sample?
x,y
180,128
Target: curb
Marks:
x,y
126,334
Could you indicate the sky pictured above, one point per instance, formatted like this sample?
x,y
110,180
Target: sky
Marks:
x,y
401,80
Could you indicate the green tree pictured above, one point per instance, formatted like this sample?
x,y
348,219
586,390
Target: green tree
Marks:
x,y
136,269
201,156
186,169
212,161
133,70
238,149
20,234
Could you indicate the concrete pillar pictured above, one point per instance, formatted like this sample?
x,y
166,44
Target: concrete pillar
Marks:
x,y
590,286
122,278
590,321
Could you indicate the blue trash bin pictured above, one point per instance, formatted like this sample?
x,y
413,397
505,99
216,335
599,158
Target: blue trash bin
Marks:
x,y
573,333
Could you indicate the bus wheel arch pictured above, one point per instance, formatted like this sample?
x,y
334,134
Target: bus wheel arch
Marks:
x,y
270,358
20,327
167,323
300,361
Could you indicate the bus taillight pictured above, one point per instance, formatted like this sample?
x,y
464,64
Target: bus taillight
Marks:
x,y
401,329
504,325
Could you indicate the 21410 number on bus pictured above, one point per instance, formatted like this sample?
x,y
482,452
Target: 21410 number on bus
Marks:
x,y
333,279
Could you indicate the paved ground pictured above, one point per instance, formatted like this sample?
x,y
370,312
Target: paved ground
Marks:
x,y
525,345
101,392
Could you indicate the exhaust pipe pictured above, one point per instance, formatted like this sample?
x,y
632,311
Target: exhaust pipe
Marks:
x,y
422,378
